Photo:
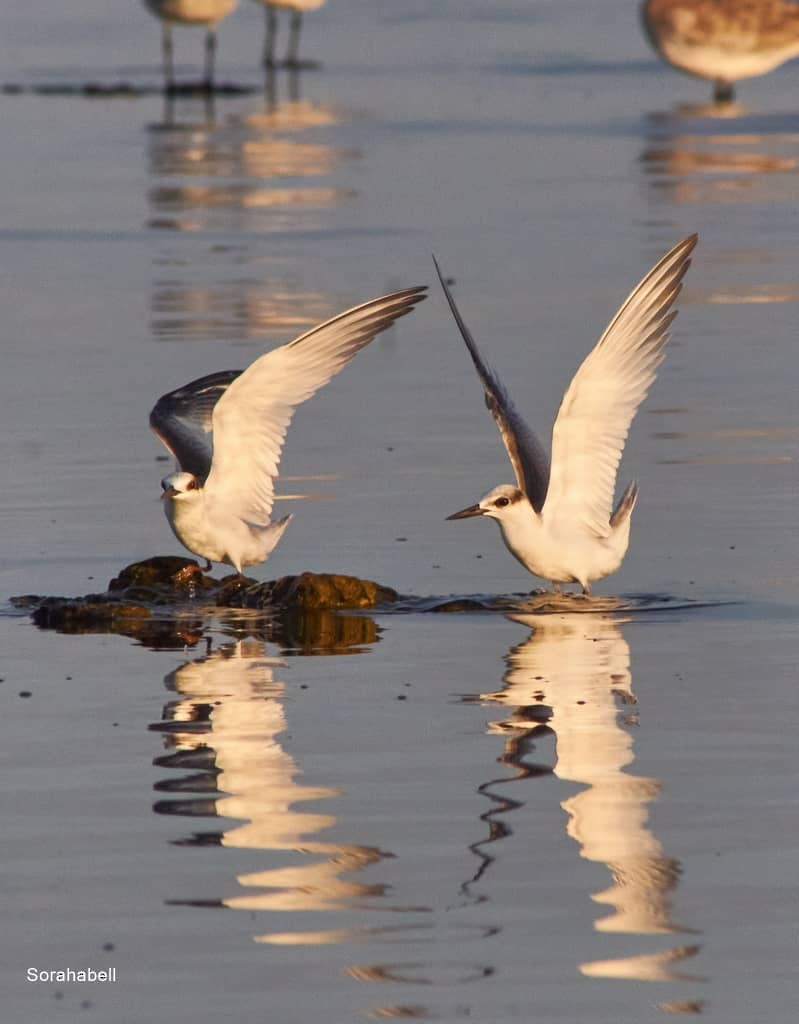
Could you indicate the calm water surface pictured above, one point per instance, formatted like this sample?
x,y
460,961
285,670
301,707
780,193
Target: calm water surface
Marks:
x,y
444,817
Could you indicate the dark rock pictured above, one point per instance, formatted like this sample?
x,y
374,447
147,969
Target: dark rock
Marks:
x,y
159,580
74,614
307,592
142,600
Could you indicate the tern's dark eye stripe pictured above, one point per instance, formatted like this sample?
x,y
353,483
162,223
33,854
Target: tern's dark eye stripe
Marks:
x,y
502,502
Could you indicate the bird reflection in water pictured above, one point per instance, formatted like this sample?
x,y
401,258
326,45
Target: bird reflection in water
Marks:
x,y
224,728
238,178
566,678
701,153
239,172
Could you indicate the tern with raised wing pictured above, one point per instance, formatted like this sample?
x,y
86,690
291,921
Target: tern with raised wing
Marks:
x,y
227,431
558,518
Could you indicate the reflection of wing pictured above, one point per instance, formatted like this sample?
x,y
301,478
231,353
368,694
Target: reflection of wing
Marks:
x,y
596,412
251,418
182,419
572,658
525,451
577,665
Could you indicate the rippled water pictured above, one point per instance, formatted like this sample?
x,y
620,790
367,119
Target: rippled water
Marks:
x,y
542,811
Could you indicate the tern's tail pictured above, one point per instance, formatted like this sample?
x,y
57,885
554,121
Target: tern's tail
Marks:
x,y
268,537
275,531
626,504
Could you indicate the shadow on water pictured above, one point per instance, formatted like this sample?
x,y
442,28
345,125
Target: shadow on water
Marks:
x,y
571,679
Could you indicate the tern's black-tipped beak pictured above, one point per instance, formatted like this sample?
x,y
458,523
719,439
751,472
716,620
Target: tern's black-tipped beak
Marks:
x,y
168,492
467,513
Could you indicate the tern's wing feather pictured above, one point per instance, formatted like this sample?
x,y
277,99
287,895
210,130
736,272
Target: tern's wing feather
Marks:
x,y
182,420
526,452
598,406
251,419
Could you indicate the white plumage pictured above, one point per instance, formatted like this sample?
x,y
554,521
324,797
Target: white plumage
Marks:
x,y
219,504
558,520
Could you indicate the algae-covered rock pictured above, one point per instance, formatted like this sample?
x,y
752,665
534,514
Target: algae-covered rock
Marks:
x,y
159,580
308,592
148,600
75,614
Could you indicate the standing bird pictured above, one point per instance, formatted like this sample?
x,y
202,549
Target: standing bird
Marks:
x,y
206,13
723,40
297,7
557,519
227,430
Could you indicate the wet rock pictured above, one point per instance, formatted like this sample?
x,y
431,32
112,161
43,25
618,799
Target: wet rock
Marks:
x,y
307,592
460,604
143,599
160,580
73,615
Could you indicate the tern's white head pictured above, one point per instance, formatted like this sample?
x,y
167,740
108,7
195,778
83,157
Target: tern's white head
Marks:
x,y
503,503
180,486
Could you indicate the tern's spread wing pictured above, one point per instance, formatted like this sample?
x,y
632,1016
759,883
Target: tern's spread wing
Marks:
x,y
182,419
598,407
527,455
251,418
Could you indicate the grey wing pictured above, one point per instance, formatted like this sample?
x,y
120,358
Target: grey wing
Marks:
x,y
526,453
182,419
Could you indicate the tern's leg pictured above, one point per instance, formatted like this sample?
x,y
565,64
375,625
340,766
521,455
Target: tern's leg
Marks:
x,y
207,567
586,590
167,52
210,52
723,92
292,55
271,35
294,84
555,587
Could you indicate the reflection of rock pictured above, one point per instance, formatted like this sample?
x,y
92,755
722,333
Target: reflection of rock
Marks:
x,y
327,632
567,677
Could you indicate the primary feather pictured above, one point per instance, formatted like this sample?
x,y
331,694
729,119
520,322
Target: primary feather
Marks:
x,y
251,418
599,405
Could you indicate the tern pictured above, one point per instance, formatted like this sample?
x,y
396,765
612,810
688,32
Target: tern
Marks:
x,y
557,520
723,40
227,430
297,7
207,13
